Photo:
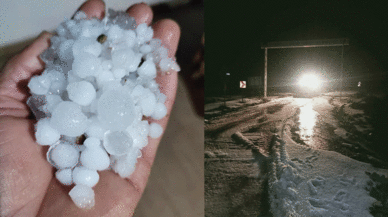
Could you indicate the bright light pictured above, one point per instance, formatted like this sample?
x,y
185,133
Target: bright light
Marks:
x,y
310,81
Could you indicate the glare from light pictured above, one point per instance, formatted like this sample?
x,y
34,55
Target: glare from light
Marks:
x,y
310,81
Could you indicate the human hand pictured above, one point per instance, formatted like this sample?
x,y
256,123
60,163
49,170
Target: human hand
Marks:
x,y
27,183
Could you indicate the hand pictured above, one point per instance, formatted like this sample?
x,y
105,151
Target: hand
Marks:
x,y
28,186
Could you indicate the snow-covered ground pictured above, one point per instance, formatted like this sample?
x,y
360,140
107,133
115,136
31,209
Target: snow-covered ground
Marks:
x,y
308,182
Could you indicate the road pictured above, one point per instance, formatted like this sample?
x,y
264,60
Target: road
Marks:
x,y
324,122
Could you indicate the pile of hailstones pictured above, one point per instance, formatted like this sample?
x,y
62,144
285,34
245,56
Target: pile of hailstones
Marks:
x,y
92,97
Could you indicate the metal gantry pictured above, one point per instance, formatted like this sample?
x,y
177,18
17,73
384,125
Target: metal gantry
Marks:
x,y
300,44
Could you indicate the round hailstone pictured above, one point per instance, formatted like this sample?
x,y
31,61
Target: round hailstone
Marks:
x,y
125,165
58,82
139,134
115,32
39,84
119,73
65,50
95,129
86,45
115,110
160,111
117,142
130,37
45,134
68,119
92,143
82,196
64,156
86,64
85,176
64,176
155,130
147,104
95,158
126,58
147,69
82,93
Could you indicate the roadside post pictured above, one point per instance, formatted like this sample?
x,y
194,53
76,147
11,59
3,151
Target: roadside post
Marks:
x,y
243,85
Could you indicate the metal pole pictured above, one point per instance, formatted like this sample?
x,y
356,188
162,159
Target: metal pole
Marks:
x,y
265,72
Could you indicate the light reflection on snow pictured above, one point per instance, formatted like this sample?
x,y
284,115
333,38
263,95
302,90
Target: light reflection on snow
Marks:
x,y
307,121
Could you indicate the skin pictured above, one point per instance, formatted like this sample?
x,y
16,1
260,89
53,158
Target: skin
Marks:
x,y
28,186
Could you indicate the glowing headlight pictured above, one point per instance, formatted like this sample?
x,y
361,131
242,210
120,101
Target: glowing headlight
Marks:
x,y
310,81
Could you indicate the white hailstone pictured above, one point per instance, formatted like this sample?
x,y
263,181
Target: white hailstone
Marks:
x,y
92,142
115,33
153,86
117,142
126,58
85,176
115,110
82,93
144,33
159,54
107,64
52,102
160,111
45,134
161,98
39,85
148,103
86,45
138,115
82,196
147,69
137,93
95,158
165,64
64,156
68,119
95,129
64,176
145,49
86,65
104,76
65,50
119,73
72,77
155,130
125,165
130,37
139,134
58,81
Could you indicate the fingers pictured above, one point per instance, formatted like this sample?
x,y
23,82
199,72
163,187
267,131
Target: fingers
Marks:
x,y
21,67
93,8
168,31
141,12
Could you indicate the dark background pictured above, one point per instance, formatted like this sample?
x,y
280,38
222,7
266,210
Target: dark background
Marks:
x,y
235,30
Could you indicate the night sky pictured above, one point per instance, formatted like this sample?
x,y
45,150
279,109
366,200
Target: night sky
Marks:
x,y
234,33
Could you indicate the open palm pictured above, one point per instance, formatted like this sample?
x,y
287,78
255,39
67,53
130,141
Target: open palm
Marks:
x,y
27,183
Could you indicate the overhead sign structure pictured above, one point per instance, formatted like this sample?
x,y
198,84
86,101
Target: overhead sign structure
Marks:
x,y
300,44
243,84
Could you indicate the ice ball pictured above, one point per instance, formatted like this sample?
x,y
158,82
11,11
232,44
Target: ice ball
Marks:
x,y
85,176
155,130
68,119
45,134
82,196
117,142
86,65
82,93
160,111
64,176
115,110
147,69
95,158
64,156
